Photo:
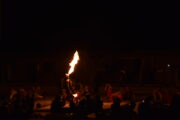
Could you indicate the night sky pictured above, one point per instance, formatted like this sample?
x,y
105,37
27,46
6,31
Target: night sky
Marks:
x,y
101,25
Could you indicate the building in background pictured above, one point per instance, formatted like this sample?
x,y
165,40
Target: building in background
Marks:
x,y
96,69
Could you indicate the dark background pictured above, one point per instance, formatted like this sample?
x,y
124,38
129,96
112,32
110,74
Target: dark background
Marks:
x,y
39,37
101,25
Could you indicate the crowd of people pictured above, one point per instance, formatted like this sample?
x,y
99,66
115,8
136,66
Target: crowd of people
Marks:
x,y
18,103
125,105
88,105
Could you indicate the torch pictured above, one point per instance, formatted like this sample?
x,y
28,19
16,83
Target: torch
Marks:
x,y
72,65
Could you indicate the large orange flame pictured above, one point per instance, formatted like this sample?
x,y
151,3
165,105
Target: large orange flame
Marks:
x,y
73,63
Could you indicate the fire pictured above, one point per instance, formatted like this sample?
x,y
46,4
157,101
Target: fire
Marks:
x,y
75,95
73,63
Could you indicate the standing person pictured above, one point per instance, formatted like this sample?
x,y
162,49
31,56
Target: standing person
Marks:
x,y
86,90
13,93
108,91
116,109
69,85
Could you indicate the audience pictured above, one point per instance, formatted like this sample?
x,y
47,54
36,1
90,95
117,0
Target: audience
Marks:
x,y
88,105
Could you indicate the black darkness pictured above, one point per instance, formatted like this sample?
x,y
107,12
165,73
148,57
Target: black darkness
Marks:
x,y
101,25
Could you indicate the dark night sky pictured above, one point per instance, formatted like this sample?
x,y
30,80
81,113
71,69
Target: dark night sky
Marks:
x,y
96,25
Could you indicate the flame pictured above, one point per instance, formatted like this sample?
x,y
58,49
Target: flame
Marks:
x,y
73,63
75,95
